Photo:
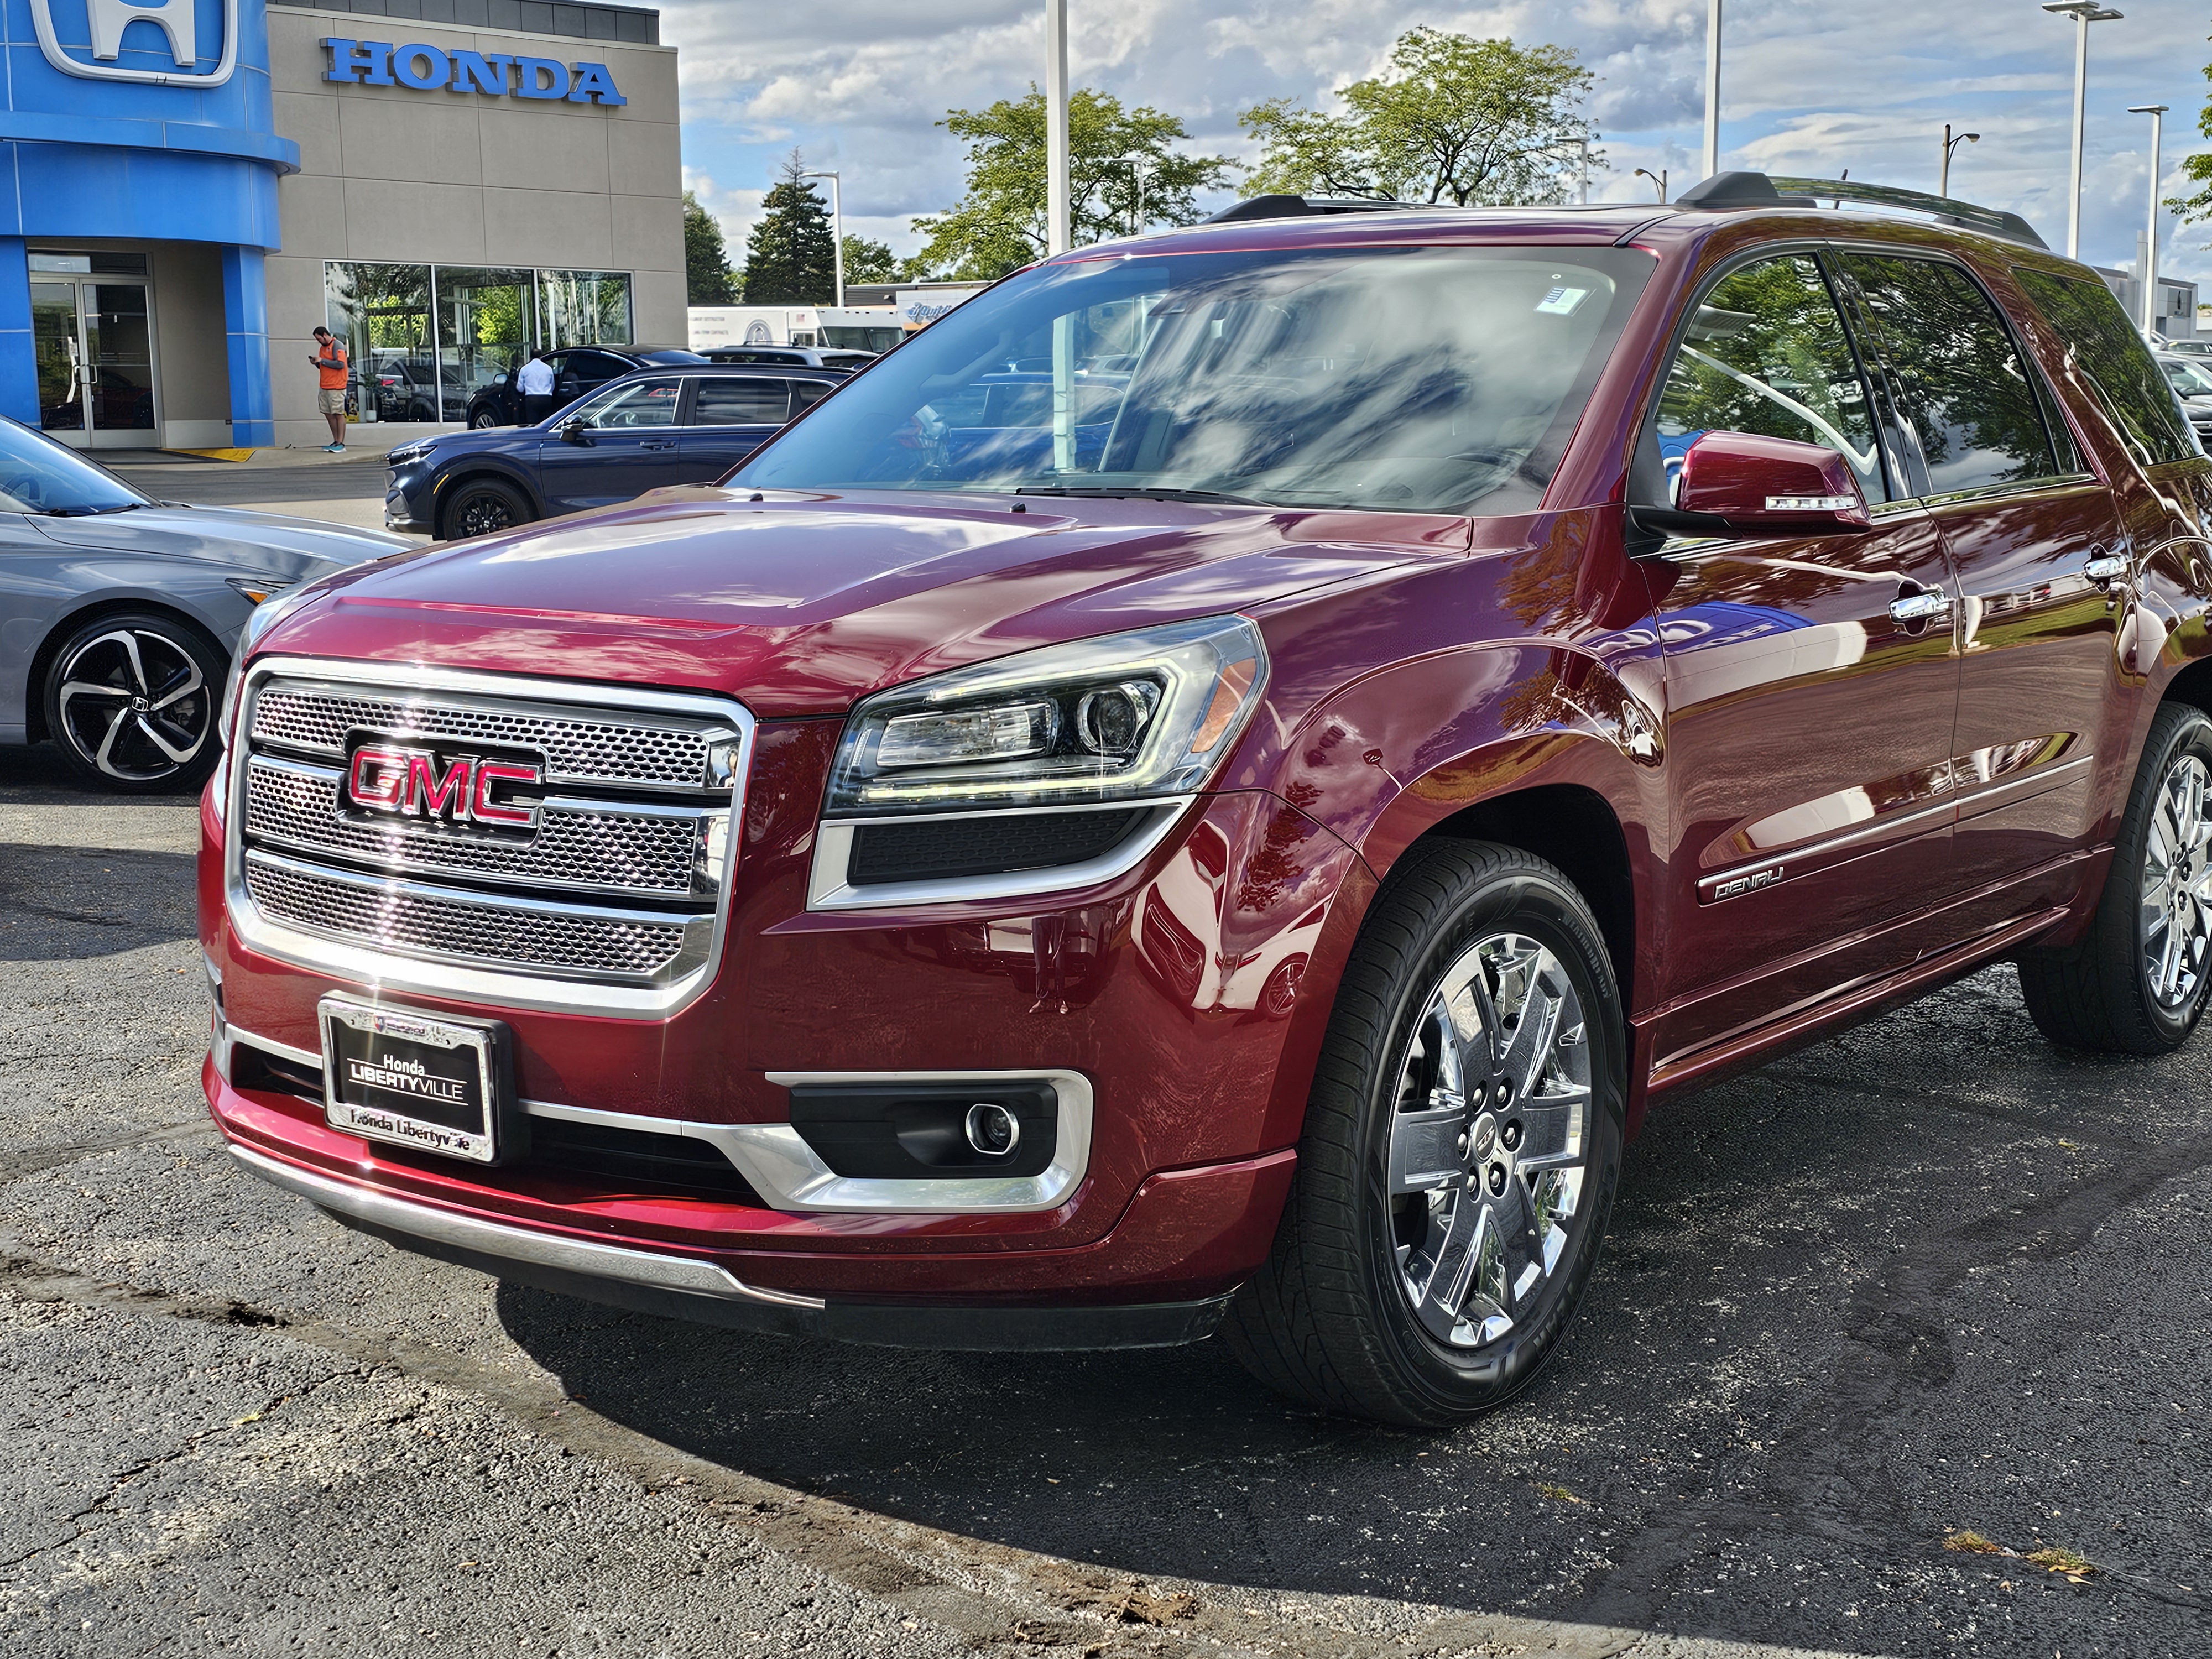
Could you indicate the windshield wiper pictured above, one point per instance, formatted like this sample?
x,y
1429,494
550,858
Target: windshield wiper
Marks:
x,y
1140,493
86,512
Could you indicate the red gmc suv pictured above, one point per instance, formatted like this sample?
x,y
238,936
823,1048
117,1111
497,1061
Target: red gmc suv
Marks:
x,y
1216,785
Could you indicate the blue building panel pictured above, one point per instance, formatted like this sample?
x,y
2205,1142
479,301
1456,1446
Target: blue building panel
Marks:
x,y
158,125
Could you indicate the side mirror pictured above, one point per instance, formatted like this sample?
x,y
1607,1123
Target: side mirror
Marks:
x,y
575,430
499,379
1741,483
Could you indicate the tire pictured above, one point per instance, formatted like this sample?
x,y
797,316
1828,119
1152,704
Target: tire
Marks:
x,y
1368,1305
483,507
484,418
132,700
2138,983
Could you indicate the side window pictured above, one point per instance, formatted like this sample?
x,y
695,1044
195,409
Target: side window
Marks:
x,y
2111,357
641,403
1958,378
807,394
742,400
1767,353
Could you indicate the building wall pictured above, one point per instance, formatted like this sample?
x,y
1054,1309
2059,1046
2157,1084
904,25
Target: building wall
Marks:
x,y
389,174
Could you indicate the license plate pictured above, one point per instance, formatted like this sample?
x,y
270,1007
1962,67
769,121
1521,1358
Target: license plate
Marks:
x,y
437,1084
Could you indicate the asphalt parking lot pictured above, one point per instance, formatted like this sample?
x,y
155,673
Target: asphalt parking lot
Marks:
x,y
1933,1277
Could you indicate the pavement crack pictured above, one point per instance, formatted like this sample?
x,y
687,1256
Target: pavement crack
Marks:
x,y
31,1160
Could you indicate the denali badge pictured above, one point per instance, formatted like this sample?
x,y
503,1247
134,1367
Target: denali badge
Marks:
x,y
385,778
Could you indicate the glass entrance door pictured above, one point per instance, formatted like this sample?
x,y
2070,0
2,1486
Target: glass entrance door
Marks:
x,y
94,343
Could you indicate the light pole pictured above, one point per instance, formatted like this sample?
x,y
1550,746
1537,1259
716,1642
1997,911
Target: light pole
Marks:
x,y
1658,179
1137,165
1055,127
1712,155
836,229
2150,272
1950,144
2084,13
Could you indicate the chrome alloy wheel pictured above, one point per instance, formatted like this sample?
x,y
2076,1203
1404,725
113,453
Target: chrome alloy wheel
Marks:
x,y
136,704
2177,887
1489,1141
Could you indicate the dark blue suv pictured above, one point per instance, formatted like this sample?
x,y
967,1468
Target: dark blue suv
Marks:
x,y
675,424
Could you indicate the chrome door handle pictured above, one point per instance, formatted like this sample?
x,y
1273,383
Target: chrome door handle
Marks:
x,y
2105,568
1919,607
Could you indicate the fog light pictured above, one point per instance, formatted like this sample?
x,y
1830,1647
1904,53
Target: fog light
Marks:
x,y
993,1130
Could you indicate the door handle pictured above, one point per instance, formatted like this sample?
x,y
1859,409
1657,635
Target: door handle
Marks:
x,y
1920,607
2105,568
658,443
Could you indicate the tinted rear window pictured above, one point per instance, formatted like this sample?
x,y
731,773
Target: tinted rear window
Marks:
x,y
2109,356
1957,372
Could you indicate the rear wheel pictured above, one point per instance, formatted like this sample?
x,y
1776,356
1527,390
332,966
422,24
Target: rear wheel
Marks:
x,y
132,700
484,506
2137,984
1462,1148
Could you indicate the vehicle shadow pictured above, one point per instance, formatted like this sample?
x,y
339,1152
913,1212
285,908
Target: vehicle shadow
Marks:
x,y
74,903
1780,1352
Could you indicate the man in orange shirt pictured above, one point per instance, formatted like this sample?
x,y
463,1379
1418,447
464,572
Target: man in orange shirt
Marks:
x,y
329,362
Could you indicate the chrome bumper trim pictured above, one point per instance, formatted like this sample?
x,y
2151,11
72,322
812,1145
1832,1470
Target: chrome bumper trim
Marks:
x,y
682,1273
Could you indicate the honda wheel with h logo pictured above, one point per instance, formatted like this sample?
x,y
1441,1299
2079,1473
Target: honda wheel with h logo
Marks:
x,y
131,699
483,507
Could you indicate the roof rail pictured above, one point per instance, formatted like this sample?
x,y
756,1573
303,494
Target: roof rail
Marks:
x,y
1734,190
1302,207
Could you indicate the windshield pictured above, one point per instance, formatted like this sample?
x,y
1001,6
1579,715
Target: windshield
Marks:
x,y
1414,380
38,475
2190,379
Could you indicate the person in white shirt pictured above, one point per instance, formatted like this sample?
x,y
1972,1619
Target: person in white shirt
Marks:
x,y
535,383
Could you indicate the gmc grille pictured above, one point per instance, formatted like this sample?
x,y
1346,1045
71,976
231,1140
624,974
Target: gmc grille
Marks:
x,y
618,883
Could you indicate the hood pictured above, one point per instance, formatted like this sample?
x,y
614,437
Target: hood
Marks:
x,y
264,544
798,604
446,445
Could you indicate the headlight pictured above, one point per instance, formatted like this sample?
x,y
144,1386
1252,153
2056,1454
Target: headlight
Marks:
x,y
1123,718
276,601
406,453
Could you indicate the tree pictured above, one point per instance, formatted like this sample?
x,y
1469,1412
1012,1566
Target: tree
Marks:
x,y
790,259
2198,170
999,225
867,261
1451,118
707,278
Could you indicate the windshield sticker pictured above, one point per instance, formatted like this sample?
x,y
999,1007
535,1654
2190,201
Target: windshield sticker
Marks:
x,y
1561,302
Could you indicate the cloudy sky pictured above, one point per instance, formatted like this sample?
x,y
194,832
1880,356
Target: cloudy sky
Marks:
x,y
1809,87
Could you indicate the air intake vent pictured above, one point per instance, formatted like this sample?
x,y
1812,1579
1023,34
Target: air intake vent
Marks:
x,y
985,845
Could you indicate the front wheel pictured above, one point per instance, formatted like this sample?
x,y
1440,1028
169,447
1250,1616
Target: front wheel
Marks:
x,y
131,699
484,506
2138,983
485,419
1462,1148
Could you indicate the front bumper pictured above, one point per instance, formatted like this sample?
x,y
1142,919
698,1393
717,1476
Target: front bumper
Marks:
x,y
686,1287
407,500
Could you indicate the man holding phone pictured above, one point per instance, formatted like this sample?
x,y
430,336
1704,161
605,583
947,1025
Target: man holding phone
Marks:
x,y
329,361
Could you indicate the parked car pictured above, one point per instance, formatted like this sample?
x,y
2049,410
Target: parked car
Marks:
x,y
792,356
578,371
1250,867
404,388
686,424
2191,381
118,613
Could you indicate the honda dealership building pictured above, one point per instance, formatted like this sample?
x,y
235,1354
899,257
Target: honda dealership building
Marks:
x,y
198,184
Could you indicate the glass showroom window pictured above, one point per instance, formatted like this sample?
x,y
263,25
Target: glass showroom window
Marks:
x,y
382,313
485,330
585,308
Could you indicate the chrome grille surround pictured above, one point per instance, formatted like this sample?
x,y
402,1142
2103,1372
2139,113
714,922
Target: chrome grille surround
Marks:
x,y
615,906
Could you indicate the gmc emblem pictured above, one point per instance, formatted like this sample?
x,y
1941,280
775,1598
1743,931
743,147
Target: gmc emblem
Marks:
x,y
385,778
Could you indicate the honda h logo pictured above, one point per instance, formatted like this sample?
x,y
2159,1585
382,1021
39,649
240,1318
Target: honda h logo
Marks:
x,y
409,783
169,41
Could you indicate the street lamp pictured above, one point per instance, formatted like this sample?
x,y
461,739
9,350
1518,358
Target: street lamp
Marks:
x,y
1137,166
1056,237
2149,271
1950,144
836,229
2084,13
1712,156
1658,179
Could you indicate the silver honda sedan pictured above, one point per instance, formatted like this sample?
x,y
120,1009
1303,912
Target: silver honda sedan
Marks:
x,y
118,613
